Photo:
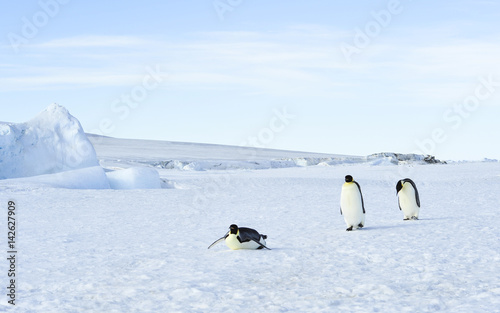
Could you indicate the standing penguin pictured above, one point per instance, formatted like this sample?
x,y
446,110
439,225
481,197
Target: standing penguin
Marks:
x,y
352,205
408,199
242,238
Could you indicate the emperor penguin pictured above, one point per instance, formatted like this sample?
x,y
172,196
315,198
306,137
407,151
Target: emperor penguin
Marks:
x,y
242,238
408,199
351,204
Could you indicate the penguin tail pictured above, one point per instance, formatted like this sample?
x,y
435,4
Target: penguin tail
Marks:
x,y
264,236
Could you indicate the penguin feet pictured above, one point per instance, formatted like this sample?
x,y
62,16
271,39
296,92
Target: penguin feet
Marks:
x,y
361,225
349,229
413,218
264,236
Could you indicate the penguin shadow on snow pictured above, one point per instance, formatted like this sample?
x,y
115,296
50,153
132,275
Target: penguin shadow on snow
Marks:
x,y
403,224
433,218
382,227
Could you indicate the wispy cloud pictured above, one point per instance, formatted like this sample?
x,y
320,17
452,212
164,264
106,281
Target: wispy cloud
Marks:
x,y
82,42
305,59
57,80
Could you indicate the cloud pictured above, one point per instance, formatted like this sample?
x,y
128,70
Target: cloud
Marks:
x,y
61,81
302,60
82,42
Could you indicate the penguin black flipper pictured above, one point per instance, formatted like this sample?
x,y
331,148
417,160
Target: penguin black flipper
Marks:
x,y
257,242
361,194
218,240
262,246
417,197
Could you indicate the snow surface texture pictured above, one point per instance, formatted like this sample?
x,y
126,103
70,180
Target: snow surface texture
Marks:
x,y
146,250
52,142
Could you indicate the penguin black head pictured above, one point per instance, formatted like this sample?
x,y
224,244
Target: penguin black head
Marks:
x,y
399,186
348,179
233,229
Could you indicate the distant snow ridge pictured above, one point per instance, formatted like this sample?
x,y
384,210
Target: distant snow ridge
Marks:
x,y
399,158
243,165
52,142
490,160
385,158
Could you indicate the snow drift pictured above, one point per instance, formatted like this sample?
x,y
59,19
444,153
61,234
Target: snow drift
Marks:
x,y
53,150
135,178
84,178
52,142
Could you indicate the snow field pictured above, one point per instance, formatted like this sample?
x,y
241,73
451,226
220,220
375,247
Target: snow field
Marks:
x,y
146,250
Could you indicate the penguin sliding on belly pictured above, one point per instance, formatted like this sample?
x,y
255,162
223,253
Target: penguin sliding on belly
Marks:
x,y
242,238
408,199
352,205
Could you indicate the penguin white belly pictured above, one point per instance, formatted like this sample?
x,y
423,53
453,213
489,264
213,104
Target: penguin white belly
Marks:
x,y
352,205
408,202
233,243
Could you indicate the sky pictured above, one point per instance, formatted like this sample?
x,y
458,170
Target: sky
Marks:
x,y
340,77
